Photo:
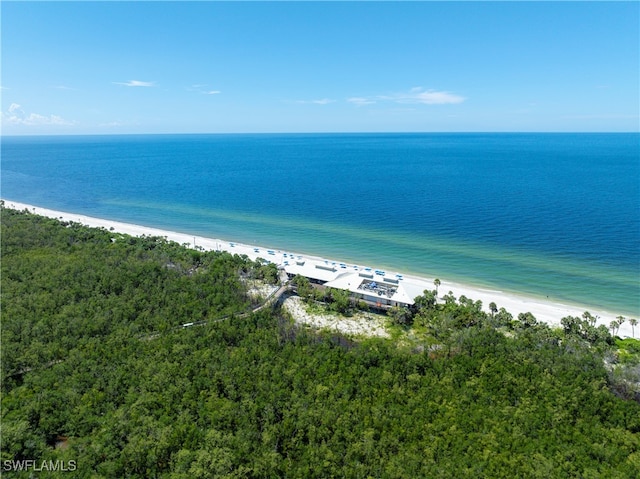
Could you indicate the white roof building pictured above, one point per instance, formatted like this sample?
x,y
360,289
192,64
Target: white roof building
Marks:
x,y
373,286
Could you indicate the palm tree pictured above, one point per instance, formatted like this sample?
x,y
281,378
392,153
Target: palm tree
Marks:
x,y
621,319
426,301
527,319
437,283
493,308
612,326
633,322
589,317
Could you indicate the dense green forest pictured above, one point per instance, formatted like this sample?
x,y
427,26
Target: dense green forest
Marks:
x,y
97,369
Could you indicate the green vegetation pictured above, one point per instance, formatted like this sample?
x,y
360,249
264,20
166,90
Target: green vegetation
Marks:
x,y
93,350
334,300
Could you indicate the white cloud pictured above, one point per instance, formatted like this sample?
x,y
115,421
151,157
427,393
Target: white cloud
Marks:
x,y
136,83
438,98
323,101
203,89
416,95
428,97
16,116
359,101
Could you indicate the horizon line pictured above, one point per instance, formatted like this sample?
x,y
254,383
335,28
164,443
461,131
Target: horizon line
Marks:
x,y
408,132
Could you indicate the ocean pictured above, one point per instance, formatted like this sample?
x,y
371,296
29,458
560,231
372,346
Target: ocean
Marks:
x,y
546,214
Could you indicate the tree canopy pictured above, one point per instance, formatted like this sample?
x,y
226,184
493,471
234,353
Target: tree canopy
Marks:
x,y
95,351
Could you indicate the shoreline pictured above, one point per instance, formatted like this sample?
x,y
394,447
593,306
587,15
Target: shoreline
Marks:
x,y
545,311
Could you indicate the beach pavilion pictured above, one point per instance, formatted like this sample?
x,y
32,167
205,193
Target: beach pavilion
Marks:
x,y
374,287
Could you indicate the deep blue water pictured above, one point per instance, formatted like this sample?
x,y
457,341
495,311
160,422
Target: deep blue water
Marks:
x,y
553,215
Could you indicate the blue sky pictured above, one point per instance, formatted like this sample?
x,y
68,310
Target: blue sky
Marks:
x,y
208,67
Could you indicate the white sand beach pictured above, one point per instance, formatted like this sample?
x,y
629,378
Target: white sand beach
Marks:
x,y
545,311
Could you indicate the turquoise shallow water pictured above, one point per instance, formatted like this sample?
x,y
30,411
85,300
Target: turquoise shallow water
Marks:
x,y
545,214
